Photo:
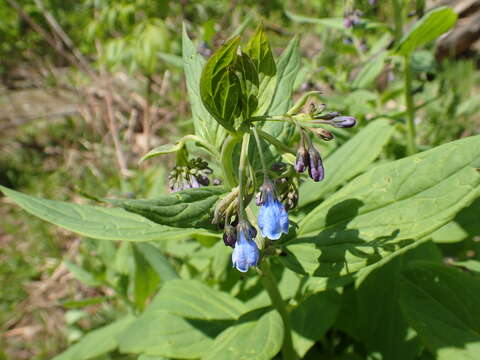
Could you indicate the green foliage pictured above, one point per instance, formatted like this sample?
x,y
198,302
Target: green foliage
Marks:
x,y
358,275
431,26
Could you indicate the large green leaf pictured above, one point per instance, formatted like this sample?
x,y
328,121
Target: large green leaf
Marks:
x,y
254,336
249,82
181,321
205,125
98,222
195,300
220,88
96,342
312,318
258,48
158,333
385,209
443,306
370,71
158,261
428,28
288,66
188,208
349,160
371,312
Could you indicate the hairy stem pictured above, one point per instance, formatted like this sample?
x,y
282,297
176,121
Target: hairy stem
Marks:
x,y
260,152
411,134
241,175
270,284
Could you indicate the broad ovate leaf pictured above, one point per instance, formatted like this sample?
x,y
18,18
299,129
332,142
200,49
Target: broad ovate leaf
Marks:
x,y
205,125
97,342
385,209
190,208
258,49
220,88
256,335
98,222
443,306
428,28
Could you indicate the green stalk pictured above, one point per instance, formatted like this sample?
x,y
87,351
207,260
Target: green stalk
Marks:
x,y
411,134
270,284
226,161
260,153
398,15
241,175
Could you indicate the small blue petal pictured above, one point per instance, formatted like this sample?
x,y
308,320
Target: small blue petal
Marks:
x,y
273,219
245,253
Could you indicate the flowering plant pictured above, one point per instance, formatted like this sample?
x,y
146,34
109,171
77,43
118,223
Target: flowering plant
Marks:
x,y
303,241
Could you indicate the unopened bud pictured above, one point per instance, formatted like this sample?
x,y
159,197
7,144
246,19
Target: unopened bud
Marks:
x,y
328,116
323,134
344,121
315,168
230,235
302,160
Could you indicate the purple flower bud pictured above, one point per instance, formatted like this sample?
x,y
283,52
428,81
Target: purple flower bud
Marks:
x,y
344,121
230,236
302,160
328,116
347,22
315,166
194,182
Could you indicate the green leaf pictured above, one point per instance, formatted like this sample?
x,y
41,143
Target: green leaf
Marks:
x,y
370,71
81,274
348,161
428,28
195,300
443,306
98,222
374,300
220,88
335,23
254,336
145,279
148,357
162,150
386,209
158,261
188,208
158,333
161,330
258,49
287,69
464,226
248,75
205,125
96,342
312,318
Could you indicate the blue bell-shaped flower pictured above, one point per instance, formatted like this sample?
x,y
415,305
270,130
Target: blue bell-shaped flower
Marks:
x,y
246,252
272,217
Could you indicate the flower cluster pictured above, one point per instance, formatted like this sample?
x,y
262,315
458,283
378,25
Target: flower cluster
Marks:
x,y
193,174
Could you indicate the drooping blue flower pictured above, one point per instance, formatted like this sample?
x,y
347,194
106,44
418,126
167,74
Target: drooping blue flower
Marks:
x,y
246,252
272,217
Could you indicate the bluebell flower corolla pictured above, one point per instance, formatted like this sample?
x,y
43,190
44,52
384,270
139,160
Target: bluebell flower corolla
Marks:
x,y
246,252
272,216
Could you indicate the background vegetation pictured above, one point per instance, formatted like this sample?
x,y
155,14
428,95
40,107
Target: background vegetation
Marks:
x,y
90,86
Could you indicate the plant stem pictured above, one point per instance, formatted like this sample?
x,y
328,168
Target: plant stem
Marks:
x,y
260,153
270,284
226,161
398,15
241,173
411,147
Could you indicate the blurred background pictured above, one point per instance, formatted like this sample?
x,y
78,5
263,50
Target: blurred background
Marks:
x,y
89,86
